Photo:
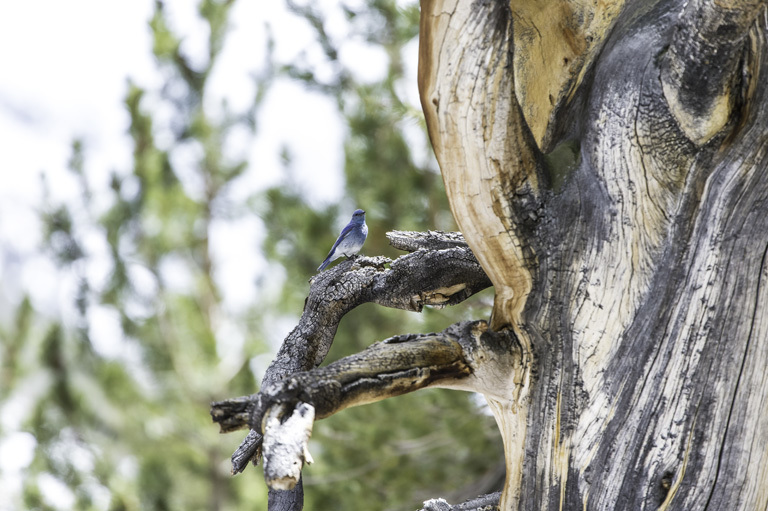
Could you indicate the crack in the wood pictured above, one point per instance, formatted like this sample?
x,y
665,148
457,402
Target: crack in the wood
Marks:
x,y
675,486
738,378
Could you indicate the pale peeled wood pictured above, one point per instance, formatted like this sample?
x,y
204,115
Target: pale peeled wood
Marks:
x,y
464,97
486,153
285,445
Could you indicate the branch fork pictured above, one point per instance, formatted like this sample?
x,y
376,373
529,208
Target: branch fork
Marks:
x,y
439,270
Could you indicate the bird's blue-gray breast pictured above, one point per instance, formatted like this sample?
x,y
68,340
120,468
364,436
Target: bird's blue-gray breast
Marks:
x,y
350,240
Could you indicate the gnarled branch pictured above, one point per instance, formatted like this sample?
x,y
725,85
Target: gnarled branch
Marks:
x,y
410,282
464,356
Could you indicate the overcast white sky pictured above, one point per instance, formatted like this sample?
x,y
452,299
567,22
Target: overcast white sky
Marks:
x,y
63,73
64,67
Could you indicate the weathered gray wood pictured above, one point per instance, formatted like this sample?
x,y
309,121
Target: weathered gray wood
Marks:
x,y
643,297
464,356
483,503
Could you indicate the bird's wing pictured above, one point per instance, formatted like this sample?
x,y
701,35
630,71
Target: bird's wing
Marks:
x,y
342,236
344,233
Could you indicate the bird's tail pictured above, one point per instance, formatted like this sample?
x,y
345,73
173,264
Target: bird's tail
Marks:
x,y
325,263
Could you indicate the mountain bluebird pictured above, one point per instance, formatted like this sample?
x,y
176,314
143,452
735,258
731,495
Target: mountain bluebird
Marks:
x,y
350,240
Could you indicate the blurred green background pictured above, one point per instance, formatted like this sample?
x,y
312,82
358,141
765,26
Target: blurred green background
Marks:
x,y
130,429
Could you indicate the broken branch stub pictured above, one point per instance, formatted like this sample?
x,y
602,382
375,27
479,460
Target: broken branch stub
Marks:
x,y
286,435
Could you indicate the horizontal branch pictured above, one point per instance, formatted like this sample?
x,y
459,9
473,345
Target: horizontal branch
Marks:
x,y
488,502
373,374
411,241
465,356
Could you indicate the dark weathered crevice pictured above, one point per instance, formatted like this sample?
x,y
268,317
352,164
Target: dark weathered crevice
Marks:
x,y
700,70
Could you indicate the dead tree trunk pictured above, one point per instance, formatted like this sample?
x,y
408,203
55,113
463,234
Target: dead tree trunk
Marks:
x,y
606,163
635,275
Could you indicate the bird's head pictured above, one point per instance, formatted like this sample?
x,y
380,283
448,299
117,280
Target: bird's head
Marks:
x,y
358,215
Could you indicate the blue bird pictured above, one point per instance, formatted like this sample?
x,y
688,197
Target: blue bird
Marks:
x,y
350,240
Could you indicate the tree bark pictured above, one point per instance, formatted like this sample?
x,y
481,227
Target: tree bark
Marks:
x,y
606,164
636,273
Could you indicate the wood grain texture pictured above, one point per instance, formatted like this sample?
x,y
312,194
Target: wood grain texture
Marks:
x,y
656,299
558,40
639,285
465,51
492,170
700,69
